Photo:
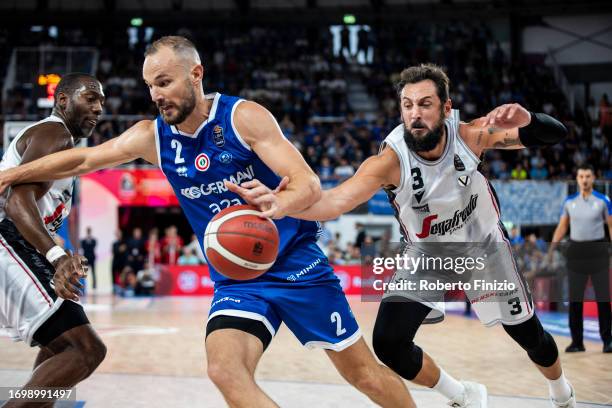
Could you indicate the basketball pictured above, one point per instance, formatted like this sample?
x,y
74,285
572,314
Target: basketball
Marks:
x,y
240,244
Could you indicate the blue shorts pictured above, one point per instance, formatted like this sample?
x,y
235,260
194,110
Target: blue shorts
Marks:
x,y
316,311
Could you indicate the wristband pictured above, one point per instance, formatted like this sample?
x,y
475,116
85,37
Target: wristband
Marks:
x,y
543,130
55,253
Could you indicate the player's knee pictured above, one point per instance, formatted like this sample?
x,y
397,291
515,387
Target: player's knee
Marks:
x,y
385,340
92,351
539,344
219,374
401,355
547,353
367,381
383,345
225,376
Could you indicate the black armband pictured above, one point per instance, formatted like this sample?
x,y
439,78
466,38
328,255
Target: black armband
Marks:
x,y
544,130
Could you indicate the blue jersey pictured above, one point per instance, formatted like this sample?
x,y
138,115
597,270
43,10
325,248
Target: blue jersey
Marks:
x,y
197,166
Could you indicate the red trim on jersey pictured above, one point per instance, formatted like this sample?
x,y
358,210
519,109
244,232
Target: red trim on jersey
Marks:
x,y
58,211
520,279
493,199
399,218
42,292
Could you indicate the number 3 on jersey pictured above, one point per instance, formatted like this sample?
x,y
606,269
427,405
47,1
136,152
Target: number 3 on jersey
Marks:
x,y
418,179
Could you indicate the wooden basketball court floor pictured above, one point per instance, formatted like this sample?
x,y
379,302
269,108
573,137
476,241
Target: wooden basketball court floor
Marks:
x,y
156,359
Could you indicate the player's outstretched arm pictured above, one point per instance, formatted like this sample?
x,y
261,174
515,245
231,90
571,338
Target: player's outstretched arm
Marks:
x,y
382,170
261,132
21,208
511,126
376,172
136,142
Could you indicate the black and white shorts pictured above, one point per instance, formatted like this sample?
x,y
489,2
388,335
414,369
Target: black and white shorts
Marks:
x,y
498,292
27,299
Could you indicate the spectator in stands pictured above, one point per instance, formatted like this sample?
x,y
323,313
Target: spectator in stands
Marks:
x,y
605,117
127,283
136,250
188,257
88,250
519,172
120,257
145,281
195,247
153,247
304,81
361,234
171,246
344,170
515,236
538,172
368,250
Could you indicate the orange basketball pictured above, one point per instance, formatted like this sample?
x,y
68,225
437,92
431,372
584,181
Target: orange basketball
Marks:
x,y
239,244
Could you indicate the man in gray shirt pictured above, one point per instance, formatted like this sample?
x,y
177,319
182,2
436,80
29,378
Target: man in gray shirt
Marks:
x,y
587,213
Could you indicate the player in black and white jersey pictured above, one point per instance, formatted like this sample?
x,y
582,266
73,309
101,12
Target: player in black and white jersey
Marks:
x,y
428,166
39,281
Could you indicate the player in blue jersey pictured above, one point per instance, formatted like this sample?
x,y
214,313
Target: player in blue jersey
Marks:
x,y
201,142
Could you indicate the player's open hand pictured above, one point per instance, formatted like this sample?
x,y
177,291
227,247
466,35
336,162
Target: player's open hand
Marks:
x,y
257,194
508,116
68,270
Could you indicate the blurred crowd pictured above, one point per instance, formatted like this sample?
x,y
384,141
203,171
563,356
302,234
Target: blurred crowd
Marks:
x,y
136,258
298,74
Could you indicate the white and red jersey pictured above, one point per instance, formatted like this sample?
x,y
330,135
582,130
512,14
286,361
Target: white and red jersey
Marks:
x,y
446,200
55,205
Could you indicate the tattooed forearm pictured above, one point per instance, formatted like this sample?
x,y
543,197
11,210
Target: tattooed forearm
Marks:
x,y
479,137
507,142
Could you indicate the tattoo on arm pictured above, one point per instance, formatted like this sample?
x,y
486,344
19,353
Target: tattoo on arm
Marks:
x,y
479,137
508,141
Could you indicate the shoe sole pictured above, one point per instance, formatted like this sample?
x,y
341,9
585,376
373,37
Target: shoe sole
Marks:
x,y
482,390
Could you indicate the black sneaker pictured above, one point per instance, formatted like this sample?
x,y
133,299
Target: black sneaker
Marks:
x,y
607,348
574,348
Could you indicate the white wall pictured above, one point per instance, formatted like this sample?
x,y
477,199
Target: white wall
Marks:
x,y
597,90
346,225
538,39
99,210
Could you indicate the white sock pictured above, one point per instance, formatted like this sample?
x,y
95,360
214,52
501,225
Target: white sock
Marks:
x,y
448,386
559,389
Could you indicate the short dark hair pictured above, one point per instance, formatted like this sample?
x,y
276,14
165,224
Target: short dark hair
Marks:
x,y
422,72
586,166
70,83
177,43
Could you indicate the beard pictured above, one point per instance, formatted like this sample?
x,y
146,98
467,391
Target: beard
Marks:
x,y
183,109
427,142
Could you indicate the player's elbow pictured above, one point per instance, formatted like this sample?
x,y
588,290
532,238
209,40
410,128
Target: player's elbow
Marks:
x,y
13,205
313,189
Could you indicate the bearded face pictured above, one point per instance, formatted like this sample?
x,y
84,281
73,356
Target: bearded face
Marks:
x,y
176,110
421,138
423,114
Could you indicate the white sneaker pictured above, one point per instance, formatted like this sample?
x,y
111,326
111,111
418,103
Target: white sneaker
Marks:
x,y
475,396
570,403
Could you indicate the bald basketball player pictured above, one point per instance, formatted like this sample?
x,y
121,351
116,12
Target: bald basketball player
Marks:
x,y
428,165
200,142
